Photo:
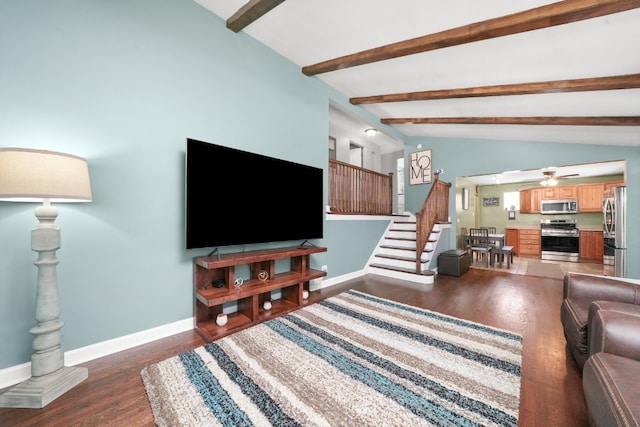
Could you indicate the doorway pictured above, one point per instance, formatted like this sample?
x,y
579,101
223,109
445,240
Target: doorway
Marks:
x,y
400,184
355,154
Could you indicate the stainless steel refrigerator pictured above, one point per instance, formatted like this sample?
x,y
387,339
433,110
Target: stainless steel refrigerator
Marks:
x,y
614,210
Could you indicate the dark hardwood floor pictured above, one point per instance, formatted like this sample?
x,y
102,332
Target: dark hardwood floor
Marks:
x,y
551,390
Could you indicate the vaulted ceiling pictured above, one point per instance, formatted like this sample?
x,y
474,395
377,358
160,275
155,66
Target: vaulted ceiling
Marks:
x,y
532,70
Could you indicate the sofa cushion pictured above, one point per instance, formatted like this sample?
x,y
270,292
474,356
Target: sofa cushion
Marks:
x,y
614,328
574,314
610,384
593,288
579,291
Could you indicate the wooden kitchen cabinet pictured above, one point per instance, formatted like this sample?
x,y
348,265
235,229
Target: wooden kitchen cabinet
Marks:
x,y
591,245
525,201
590,197
529,242
511,239
609,186
559,193
536,195
530,200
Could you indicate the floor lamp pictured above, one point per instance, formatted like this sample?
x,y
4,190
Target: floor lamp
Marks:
x,y
44,176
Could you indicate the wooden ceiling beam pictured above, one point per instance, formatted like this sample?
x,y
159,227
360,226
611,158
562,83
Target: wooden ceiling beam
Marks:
x,y
561,121
250,12
627,81
559,13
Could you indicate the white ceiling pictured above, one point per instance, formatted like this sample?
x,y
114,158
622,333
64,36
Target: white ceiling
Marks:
x,y
534,176
311,31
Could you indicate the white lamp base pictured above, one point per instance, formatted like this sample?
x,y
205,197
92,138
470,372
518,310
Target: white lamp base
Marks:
x,y
37,392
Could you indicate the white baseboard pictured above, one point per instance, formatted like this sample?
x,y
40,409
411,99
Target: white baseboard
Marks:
x,y
16,374
325,283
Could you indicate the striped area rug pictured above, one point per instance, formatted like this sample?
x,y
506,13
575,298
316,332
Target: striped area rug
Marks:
x,y
350,360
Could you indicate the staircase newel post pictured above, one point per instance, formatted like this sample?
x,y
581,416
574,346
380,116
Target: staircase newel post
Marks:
x,y
419,245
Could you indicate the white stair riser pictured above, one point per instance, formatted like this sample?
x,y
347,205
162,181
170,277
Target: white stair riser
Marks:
x,y
395,262
403,276
402,253
402,243
406,230
430,245
404,234
397,252
409,231
408,246
404,226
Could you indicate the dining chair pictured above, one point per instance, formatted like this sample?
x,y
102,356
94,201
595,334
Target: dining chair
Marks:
x,y
496,244
481,245
464,232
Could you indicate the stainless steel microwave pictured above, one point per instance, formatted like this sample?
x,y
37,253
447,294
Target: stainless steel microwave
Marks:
x,y
555,207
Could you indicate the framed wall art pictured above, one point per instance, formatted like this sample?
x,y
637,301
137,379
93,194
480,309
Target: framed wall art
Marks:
x,y
491,201
420,167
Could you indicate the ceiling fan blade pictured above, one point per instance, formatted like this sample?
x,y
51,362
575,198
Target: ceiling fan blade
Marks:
x,y
568,176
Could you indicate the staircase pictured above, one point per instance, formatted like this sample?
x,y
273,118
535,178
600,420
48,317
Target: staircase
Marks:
x,y
395,255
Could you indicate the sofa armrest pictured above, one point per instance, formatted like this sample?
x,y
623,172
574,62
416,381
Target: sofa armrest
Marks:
x,y
592,288
614,328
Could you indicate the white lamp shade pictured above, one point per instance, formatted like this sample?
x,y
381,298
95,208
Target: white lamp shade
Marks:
x,y
28,175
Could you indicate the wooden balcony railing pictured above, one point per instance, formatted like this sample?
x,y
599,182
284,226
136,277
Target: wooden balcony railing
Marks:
x,y
355,190
434,210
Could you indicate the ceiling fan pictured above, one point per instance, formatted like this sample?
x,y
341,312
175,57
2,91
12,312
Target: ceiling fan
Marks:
x,y
550,178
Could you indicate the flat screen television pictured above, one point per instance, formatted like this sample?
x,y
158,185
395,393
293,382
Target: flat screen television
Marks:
x,y
235,197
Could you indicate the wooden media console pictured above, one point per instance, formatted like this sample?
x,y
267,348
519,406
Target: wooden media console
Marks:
x,y
215,284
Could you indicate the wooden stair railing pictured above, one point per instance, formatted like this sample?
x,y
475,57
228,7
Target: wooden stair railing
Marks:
x,y
355,190
434,210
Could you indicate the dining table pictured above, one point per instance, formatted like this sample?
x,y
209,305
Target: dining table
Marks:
x,y
496,238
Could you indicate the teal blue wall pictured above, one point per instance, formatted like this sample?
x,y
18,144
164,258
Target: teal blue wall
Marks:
x,y
123,83
465,157
351,237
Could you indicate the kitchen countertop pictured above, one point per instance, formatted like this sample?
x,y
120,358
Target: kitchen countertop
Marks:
x,y
522,227
537,227
590,227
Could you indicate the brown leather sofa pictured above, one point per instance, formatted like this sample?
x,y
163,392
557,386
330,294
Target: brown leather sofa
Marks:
x,y
580,290
601,321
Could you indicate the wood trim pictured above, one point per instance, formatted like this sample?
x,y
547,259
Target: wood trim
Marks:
x,y
435,209
563,121
250,12
354,190
562,12
628,81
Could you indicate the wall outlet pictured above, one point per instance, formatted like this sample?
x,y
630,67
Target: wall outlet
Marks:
x,y
324,268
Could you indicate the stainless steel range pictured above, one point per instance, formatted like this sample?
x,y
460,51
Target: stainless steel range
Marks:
x,y
560,240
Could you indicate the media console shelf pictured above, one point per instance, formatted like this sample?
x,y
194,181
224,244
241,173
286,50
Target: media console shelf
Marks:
x,y
212,271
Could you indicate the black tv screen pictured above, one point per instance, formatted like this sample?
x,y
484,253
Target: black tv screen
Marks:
x,y
235,197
